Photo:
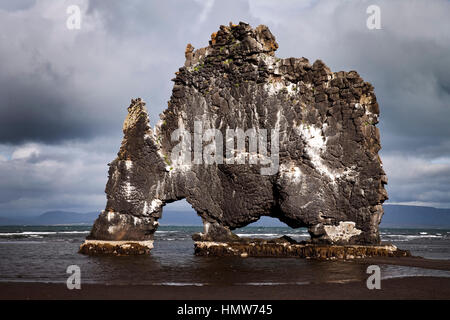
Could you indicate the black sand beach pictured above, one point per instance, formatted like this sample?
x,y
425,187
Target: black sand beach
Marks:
x,y
403,288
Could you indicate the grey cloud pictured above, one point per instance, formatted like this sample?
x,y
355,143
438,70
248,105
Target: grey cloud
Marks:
x,y
34,110
56,177
418,180
16,5
76,84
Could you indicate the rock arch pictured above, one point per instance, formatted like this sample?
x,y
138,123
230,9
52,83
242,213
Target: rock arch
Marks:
x,y
330,178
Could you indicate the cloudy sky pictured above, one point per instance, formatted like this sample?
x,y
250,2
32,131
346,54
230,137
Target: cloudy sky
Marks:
x,y
64,93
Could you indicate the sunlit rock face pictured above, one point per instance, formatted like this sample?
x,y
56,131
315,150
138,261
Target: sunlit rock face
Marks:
x,y
327,175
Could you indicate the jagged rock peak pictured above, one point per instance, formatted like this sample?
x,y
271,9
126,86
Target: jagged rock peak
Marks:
x,y
234,41
137,119
135,128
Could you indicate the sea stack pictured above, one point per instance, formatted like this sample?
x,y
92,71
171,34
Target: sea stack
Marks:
x,y
325,175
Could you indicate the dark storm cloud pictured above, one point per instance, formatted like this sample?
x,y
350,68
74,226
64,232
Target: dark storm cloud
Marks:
x,y
413,96
67,91
43,96
59,84
36,110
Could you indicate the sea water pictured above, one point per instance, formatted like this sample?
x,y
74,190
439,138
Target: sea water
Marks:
x,y
43,253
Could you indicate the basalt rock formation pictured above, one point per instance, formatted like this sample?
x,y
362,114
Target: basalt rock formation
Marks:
x,y
324,171
287,248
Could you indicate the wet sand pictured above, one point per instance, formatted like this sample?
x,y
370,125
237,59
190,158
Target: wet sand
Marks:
x,y
401,288
398,288
418,262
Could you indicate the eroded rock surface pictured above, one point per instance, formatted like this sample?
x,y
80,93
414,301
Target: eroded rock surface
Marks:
x,y
287,248
329,176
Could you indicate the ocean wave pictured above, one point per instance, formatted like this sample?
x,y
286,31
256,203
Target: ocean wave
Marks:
x,y
21,242
258,235
297,234
166,231
277,235
181,284
408,236
273,283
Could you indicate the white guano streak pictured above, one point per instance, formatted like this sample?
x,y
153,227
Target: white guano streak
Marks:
x,y
154,205
315,145
129,164
128,189
292,172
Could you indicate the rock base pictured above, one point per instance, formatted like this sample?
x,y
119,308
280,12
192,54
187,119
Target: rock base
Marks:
x,y
116,248
277,248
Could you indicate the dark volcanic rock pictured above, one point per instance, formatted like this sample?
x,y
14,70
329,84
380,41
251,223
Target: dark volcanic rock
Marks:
x,y
327,175
272,248
116,248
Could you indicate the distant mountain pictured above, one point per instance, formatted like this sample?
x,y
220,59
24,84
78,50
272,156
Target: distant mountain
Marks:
x,y
9,222
395,216
180,218
399,216
53,218
64,217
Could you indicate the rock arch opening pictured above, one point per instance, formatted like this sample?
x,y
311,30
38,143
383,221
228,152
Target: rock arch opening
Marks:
x,y
270,228
179,213
173,236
